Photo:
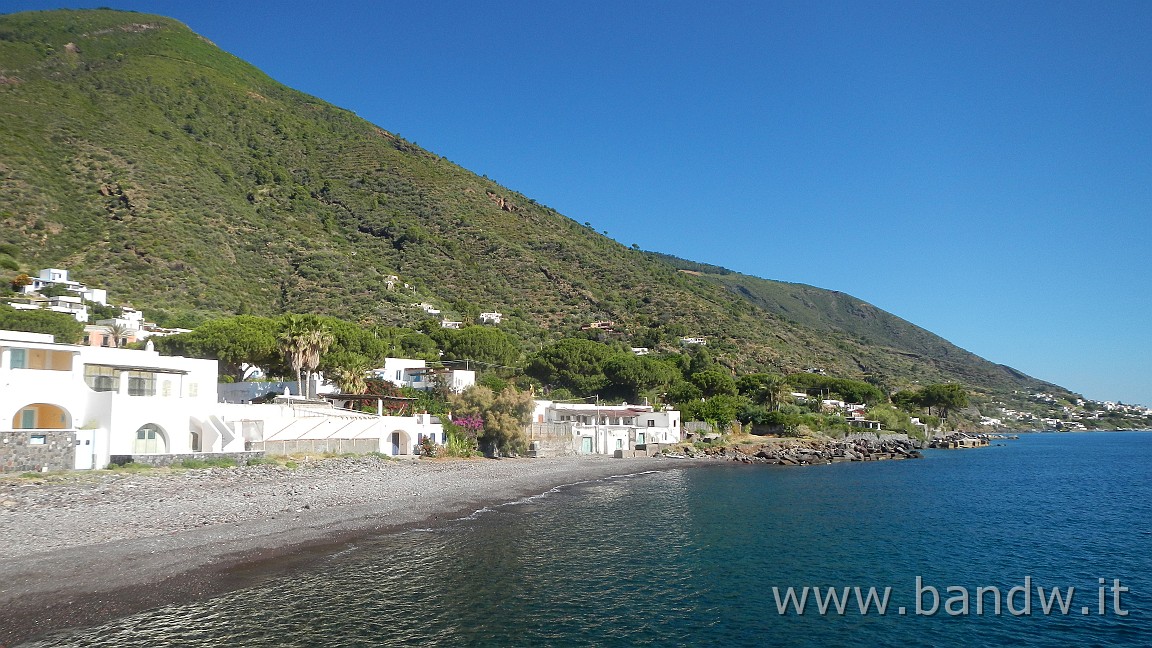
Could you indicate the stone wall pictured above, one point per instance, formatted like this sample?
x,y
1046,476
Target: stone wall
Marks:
x,y
551,440
695,427
241,458
318,446
876,437
37,450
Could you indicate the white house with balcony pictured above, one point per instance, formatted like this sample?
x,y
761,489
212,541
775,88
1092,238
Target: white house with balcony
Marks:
x,y
406,372
111,401
67,304
604,429
131,326
58,277
491,318
395,370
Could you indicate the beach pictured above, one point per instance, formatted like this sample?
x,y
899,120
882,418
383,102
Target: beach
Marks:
x,y
82,548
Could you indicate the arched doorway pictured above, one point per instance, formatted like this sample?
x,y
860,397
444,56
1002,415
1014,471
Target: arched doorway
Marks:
x,y
41,416
150,439
401,443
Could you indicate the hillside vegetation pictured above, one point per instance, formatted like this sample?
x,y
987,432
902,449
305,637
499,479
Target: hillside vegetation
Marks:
x,y
147,161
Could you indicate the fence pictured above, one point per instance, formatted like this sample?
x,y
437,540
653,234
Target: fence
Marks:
x,y
317,446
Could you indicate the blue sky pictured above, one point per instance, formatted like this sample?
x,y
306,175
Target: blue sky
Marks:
x,y
981,169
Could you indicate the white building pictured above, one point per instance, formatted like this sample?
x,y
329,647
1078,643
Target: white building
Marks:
x,y
115,401
57,277
290,425
404,372
491,318
455,380
131,326
395,370
686,341
604,429
67,304
111,402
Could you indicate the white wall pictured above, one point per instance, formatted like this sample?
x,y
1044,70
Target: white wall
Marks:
x,y
113,417
655,426
393,370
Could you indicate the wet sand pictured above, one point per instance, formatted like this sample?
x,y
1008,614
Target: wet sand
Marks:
x,y
86,548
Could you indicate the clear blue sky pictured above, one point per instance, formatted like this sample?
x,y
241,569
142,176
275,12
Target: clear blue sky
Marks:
x,y
981,169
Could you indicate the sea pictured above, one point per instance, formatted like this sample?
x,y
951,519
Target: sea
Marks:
x,y
965,547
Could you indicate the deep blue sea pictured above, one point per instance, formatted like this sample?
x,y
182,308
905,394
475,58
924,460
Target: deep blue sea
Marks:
x,y
690,557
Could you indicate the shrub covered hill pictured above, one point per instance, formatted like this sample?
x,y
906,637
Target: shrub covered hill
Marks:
x,y
148,161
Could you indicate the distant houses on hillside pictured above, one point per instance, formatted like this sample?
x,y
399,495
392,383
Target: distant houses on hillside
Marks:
x,y
491,317
56,277
66,304
127,327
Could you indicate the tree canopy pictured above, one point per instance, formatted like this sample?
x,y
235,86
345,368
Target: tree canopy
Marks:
x,y
945,398
573,364
714,382
504,415
852,391
304,339
233,341
482,344
64,328
770,390
628,376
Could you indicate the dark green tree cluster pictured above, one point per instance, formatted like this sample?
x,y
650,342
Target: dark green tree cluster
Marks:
x,y
64,328
845,389
585,368
483,345
270,343
9,256
944,398
234,342
693,381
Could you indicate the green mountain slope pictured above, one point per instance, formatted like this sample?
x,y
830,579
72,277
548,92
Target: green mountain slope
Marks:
x,y
840,314
148,161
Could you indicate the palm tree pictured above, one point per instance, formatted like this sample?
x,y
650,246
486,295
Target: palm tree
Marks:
x,y
776,391
351,374
303,340
118,332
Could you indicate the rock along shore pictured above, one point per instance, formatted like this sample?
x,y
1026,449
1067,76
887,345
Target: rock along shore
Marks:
x,y
79,549
811,451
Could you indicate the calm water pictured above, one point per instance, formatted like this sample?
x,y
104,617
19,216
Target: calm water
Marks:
x,y
689,557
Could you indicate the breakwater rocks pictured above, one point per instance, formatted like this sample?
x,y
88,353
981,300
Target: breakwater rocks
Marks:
x,y
808,452
959,440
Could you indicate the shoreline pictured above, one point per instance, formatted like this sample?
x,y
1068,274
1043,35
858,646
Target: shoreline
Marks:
x,y
79,551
